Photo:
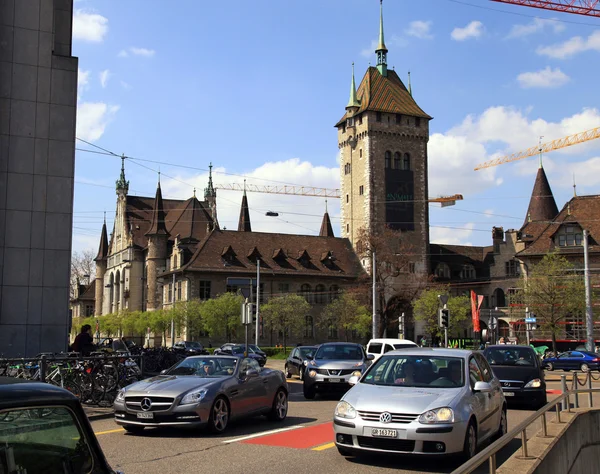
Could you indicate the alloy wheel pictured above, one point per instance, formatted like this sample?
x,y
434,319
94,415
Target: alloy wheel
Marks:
x,y
471,440
281,405
585,368
220,415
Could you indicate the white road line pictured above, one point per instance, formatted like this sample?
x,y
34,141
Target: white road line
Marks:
x,y
264,433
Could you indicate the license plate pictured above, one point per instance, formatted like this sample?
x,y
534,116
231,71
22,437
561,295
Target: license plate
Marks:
x,y
509,394
146,415
335,380
383,433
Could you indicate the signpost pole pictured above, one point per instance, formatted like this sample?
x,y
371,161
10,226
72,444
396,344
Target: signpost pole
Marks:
x,y
527,326
374,300
589,316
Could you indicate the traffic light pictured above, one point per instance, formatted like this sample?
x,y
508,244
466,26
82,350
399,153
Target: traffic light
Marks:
x,y
444,318
252,310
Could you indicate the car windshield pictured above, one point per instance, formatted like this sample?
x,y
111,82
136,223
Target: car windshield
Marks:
x,y
206,367
254,347
241,349
304,351
339,352
510,356
416,371
193,345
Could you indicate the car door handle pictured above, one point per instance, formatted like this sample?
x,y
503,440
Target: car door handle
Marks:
x,y
265,381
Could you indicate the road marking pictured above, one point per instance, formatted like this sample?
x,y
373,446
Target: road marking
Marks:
x,y
264,433
323,447
304,438
118,430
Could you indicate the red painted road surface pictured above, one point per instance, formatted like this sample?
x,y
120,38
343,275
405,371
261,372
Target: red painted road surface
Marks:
x,y
301,438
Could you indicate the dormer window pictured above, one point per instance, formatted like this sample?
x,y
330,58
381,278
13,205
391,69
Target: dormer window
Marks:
x,y
228,255
442,270
350,122
304,258
254,255
569,236
467,272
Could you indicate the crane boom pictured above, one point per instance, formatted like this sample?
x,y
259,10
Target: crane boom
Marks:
x,y
313,192
578,7
544,148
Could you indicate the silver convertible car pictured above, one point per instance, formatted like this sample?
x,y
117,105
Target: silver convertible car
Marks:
x,y
421,401
203,391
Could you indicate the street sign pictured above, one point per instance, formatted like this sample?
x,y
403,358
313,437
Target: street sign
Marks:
x,y
493,322
530,320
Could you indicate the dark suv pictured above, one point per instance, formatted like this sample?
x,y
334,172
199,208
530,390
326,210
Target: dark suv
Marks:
x,y
190,348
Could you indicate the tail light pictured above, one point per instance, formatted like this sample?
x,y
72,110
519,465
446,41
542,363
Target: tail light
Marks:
x,y
596,359
88,370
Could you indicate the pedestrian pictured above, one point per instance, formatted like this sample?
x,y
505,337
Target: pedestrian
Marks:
x,y
501,341
84,343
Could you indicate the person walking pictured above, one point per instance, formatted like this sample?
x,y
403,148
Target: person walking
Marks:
x,y
84,343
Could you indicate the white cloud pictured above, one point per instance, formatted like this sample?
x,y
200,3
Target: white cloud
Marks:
x,y
572,46
89,26
472,30
544,78
451,235
125,85
92,119
83,79
147,53
489,213
104,77
537,25
420,29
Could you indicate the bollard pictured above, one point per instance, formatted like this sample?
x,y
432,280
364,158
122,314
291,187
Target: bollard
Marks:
x,y
563,387
576,387
43,368
492,464
544,425
558,414
589,384
524,443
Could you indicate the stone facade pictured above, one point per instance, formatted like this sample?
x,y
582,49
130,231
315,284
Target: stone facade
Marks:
x,y
38,99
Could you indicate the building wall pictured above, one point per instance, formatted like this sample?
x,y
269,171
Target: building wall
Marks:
x,y
38,99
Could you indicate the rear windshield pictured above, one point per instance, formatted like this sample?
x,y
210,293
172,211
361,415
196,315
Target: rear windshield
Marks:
x,y
304,351
510,356
339,352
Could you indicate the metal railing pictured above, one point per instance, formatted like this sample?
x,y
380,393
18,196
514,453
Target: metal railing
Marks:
x,y
489,454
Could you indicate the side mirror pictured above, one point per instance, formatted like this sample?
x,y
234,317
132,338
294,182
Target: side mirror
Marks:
x,y
251,373
482,387
163,372
370,357
353,380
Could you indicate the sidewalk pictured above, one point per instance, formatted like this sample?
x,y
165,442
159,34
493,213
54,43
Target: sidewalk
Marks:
x,y
98,413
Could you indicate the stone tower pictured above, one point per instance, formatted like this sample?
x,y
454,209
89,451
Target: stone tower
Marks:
x,y
101,261
157,250
382,139
210,196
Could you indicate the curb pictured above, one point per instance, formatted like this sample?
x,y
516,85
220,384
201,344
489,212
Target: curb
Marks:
x,y
100,416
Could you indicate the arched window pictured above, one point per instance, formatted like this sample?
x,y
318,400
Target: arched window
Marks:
x,y
305,292
467,272
406,164
442,270
397,161
388,159
117,291
334,292
498,298
320,295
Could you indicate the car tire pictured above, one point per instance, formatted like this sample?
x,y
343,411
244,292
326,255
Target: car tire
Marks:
x,y
585,368
288,374
219,416
470,444
549,366
134,429
309,392
503,428
279,408
344,451
301,373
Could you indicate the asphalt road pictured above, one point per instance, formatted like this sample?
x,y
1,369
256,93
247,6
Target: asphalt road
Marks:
x,y
304,445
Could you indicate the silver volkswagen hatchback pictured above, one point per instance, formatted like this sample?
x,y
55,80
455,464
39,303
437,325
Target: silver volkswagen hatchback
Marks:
x,y
421,401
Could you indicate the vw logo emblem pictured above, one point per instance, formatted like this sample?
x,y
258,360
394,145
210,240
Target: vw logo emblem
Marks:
x,y
146,404
385,417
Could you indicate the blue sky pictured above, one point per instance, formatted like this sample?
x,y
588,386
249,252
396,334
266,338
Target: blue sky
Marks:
x,y
256,87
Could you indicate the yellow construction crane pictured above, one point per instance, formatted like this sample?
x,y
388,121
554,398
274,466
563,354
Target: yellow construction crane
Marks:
x,y
314,192
544,148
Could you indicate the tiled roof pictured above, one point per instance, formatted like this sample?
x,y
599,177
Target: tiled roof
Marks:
x,y
326,228
244,222
476,254
386,94
456,256
139,217
582,210
282,254
157,227
542,206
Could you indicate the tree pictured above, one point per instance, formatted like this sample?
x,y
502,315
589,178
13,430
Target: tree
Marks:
x,y
286,313
426,308
83,268
553,291
222,315
347,313
396,284
188,315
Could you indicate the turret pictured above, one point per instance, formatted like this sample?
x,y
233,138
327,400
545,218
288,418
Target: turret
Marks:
x,y
101,262
157,250
244,222
210,196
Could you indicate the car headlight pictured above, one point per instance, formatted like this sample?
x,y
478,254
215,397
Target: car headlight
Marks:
x,y
535,383
312,373
356,373
195,396
305,363
345,410
120,396
439,415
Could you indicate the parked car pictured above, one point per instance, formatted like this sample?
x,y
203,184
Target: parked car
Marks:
x,y
574,360
190,348
332,365
520,372
378,347
297,361
238,350
110,344
258,350
43,429
421,401
226,346
203,391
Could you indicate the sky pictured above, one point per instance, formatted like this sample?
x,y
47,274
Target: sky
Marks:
x,y
255,88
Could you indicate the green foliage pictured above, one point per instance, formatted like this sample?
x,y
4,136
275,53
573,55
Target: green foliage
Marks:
x,y
554,292
187,315
348,314
426,309
221,316
286,314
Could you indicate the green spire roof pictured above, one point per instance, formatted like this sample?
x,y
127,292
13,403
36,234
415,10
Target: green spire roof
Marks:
x,y
353,102
381,46
122,183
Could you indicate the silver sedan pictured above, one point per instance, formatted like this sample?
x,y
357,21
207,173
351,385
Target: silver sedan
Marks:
x,y
422,401
203,391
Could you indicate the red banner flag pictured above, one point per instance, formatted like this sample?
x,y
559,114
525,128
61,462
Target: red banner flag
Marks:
x,y
475,305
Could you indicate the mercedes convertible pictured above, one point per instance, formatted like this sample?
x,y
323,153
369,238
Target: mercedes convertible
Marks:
x,y
203,391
